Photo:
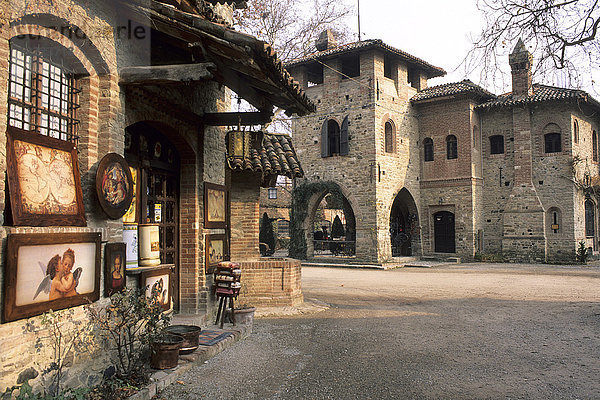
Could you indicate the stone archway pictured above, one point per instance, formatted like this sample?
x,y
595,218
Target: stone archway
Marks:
x,y
403,218
305,202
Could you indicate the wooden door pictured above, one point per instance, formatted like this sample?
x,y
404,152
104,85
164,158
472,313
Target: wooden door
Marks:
x,y
444,234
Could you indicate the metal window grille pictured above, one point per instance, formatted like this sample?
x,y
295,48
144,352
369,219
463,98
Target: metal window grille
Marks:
x,y
43,95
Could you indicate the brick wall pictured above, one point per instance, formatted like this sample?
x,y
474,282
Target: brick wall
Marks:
x,y
244,202
269,283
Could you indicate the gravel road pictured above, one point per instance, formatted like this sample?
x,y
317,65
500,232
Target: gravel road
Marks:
x,y
467,331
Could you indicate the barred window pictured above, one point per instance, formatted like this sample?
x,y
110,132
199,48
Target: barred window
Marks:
x,y
43,94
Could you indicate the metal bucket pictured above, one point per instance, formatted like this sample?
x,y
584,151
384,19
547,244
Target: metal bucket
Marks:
x,y
190,335
165,351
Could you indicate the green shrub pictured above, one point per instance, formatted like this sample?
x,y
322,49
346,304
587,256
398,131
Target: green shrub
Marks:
x,y
266,234
582,253
337,230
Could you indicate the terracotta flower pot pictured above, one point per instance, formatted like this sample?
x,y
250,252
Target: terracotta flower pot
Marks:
x,y
165,351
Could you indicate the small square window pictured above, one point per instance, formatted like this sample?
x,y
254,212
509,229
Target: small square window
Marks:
x,y
272,193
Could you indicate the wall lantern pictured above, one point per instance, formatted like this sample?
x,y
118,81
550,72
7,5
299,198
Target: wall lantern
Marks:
x,y
240,142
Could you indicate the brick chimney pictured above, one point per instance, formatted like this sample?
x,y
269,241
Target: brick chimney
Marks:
x,y
520,61
326,41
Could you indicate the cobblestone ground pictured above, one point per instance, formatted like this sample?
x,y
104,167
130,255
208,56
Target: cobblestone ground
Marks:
x,y
473,331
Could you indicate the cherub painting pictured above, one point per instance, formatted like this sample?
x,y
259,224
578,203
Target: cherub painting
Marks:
x,y
50,271
59,281
158,286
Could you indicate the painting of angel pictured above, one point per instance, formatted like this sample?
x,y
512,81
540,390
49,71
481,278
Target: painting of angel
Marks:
x,y
50,271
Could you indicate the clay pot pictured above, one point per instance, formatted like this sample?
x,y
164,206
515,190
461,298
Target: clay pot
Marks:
x,y
244,315
190,335
165,351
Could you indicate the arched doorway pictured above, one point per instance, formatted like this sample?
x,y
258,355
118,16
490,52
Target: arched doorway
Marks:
x,y
444,234
157,166
403,217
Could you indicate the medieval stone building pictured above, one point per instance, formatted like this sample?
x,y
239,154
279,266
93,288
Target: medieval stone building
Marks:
x,y
445,171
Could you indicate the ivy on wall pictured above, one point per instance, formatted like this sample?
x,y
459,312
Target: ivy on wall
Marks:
x,y
299,212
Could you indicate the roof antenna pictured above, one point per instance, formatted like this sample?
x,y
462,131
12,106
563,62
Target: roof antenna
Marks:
x,y
358,1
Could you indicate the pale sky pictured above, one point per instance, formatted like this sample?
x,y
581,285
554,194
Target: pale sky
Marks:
x,y
437,31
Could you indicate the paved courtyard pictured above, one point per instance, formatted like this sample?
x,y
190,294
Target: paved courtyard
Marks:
x,y
471,331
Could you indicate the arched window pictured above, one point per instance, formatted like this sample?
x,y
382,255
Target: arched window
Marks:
x,y
575,131
594,146
497,144
552,139
333,139
390,136
428,149
590,217
451,147
553,219
43,90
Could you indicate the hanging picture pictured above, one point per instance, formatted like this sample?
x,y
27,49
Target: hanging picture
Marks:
x,y
131,213
114,185
215,206
114,268
217,250
157,284
50,271
43,180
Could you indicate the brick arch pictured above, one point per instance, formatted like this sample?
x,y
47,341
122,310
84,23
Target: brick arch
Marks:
x,y
66,29
313,194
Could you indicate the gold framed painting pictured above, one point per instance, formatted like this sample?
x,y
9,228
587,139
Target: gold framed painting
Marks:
x,y
216,212
43,180
158,286
50,271
216,250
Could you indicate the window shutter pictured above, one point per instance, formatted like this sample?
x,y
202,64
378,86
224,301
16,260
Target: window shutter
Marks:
x,y
324,140
344,137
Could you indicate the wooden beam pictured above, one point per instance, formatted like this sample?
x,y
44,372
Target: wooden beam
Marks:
x,y
165,74
235,118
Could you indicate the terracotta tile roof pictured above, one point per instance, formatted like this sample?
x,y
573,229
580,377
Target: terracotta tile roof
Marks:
x,y
541,93
452,89
276,157
432,70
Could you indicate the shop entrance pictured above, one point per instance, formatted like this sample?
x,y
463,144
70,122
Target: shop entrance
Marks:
x,y
156,162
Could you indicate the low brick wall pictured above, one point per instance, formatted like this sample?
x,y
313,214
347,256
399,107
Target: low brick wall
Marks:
x,y
271,282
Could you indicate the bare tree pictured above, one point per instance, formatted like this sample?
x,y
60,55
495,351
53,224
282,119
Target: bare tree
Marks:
x,y
562,35
292,27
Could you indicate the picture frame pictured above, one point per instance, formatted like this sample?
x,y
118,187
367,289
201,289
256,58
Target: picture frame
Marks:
x,y
114,185
216,210
131,215
114,268
161,280
50,271
43,180
216,250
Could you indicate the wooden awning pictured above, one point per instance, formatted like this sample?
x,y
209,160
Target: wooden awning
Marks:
x,y
246,65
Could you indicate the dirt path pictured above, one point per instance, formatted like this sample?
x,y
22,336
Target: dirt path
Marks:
x,y
454,332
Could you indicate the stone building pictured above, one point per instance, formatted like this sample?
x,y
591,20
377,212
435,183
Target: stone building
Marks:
x,y
148,80
445,171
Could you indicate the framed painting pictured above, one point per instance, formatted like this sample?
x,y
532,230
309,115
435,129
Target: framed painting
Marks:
x,y
114,268
130,215
215,206
43,180
114,185
157,284
50,271
217,250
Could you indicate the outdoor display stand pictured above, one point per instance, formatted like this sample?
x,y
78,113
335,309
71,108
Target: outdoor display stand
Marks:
x,y
227,282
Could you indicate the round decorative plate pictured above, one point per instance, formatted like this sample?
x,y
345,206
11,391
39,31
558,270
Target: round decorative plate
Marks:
x,y
114,185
